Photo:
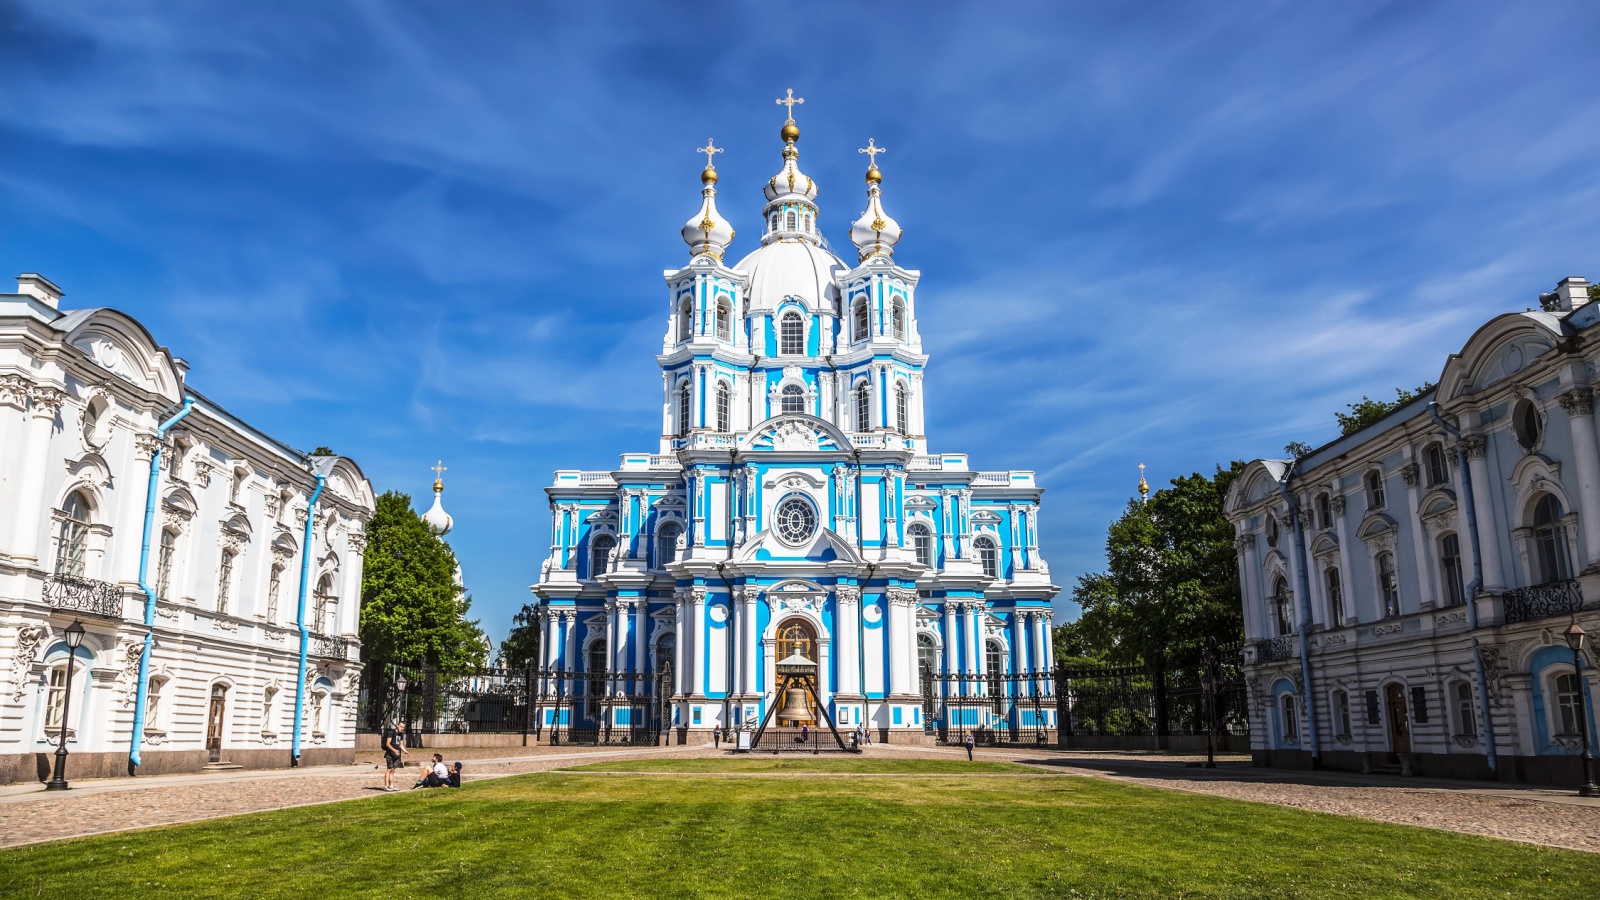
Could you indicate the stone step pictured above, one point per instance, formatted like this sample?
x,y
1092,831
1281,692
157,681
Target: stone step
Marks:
x,y
223,766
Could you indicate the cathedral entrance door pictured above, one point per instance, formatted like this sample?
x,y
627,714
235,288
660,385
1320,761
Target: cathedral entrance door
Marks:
x,y
219,701
1399,725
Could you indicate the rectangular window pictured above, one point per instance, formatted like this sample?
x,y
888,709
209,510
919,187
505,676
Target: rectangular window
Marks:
x,y
224,581
274,585
1335,599
55,698
1438,472
1569,705
1374,490
152,704
1291,721
1419,705
1455,594
1373,715
1341,708
1324,513
1466,714
1389,583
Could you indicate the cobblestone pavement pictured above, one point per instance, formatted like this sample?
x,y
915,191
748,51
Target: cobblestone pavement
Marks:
x,y
1557,818
1541,816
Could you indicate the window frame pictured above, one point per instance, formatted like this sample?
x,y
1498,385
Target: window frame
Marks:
x,y
791,343
166,556
667,535
860,320
1451,571
1550,552
1333,586
988,555
685,407
1567,706
1289,718
225,566
72,535
897,318
921,543
1377,497
1465,707
1437,467
724,406
600,547
863,400
797,394
1282,607
1387,570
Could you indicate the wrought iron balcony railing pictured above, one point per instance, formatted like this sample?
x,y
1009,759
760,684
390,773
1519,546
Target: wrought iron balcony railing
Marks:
x,y
328,647
83,595
1274,649
1541,601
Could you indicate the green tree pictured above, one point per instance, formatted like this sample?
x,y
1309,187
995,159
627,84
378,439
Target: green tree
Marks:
x,y
521,646
1171,579
412,607
1369,410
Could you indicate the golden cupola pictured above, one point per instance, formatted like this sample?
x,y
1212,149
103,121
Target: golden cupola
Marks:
x,y
707,233
874,234
791,210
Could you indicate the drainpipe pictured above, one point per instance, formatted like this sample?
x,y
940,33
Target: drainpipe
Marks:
x,y
305,635
1304,585
144,585
1486,726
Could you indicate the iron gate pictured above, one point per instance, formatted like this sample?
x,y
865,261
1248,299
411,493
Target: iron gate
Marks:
x,y
994,708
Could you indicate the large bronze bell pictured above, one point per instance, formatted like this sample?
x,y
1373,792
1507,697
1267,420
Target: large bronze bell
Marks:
x,y
795,707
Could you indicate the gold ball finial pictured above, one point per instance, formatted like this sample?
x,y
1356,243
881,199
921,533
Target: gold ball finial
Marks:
x,y
709,176
790,132
874,176
1144,486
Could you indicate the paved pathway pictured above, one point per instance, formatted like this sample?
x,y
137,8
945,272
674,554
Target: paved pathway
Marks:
x,y
28,814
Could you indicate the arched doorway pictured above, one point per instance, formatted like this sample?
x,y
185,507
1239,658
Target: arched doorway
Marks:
x,y
1399,724
796,638
219,705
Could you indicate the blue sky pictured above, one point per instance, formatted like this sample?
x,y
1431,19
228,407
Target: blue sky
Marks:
x,y
1170,233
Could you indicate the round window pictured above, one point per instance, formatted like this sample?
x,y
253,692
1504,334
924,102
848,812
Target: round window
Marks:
x,y
795,520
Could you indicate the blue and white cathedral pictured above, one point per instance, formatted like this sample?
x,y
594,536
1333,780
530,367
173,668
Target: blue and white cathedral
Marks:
x,y
793,505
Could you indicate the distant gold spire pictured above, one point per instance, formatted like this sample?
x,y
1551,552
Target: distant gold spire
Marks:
x,y
872,150
1144,486
439,468
791,131
709,176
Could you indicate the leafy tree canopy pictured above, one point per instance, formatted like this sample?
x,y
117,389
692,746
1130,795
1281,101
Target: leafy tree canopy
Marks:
x,y
1369,410
412,607
1171,580
521,646
323,451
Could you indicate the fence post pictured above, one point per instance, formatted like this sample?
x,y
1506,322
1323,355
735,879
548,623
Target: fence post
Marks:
x,y
527,700
1163,727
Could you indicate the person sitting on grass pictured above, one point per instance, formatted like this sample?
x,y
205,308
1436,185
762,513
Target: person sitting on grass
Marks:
x,y
435,775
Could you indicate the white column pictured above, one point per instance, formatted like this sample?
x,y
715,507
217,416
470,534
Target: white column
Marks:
x,y
31,510
1246,545
1477,447
747,624
951,664
13,446
680,647
697,620
974,647
1041,641
848,639
1427,582
1579,406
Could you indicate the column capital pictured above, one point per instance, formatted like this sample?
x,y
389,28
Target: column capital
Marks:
x,y
1244,542
14,390
1409,473
1336,505
145,446
1577,402
47,400
848,594
1476,445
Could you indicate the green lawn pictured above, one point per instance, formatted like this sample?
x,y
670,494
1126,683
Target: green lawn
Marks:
x,y
821,766
567,834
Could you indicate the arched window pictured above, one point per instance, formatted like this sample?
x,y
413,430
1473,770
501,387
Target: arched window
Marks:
x,y
862,320
1466,710
72,536
988,555
1283,615
1388,584
1550,540
1438,472
274,588
319,713
994,664
808,223
667,543
863,407
666,651
1569,705
793,398
236,486
902,417
269,710
897,318
1527,425
323,605
795,637
722,406
1335,597
724,321
55,698
1290,718
1341,714
791,335
175,457
684,396
1455,594
789,221
225,580
927,654
686,320
169,547
600,547
1374,490
772,222
152,702
922,542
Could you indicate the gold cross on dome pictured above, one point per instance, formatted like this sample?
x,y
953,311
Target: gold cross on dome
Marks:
x,y
790,100
708,149
872,150
439,468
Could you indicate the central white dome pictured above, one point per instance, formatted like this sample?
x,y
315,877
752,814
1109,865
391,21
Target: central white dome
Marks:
x,y
791,268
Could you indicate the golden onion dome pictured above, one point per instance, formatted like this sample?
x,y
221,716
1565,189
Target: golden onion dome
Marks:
x,y
790,132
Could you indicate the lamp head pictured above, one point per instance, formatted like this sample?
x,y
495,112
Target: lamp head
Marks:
x,y
1575,636
400,683
75,633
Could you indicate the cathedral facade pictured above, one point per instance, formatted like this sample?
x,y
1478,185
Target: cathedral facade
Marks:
x,y
793,507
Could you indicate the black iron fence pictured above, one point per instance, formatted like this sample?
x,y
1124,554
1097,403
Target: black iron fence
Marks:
x,y
1198,696
995,708
83,595
1541,601
432,702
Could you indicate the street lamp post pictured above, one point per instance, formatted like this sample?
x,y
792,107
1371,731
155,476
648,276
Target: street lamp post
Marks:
x,y
1208,680
58,781
399,696
1576,636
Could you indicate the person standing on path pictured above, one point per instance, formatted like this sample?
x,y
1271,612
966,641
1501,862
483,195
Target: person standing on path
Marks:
x,y
968,744
394,751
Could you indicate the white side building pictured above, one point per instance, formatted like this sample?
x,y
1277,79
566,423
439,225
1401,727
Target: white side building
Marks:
x,y
1406,588
83,394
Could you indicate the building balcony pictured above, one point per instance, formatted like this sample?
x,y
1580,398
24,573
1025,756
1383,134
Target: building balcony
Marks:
x,y
328,647
86,596
1275,649
1542,601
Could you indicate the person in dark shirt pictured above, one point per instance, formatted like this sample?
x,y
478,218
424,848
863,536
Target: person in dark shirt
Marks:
x,y
394,751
